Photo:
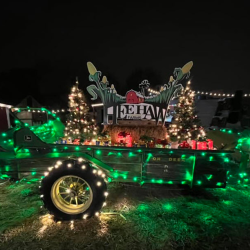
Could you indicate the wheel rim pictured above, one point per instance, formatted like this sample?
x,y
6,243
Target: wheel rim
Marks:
x,y
71,194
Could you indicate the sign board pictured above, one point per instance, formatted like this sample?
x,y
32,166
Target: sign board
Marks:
x,y
136,105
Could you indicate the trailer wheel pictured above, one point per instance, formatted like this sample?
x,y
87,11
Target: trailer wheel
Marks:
x,y
73,191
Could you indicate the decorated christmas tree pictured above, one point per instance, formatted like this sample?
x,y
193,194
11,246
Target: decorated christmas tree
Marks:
x,y
79,124
185,123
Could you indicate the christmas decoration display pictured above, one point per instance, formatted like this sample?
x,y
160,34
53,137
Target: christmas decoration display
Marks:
x,y
124,139
184,144
135,105
49,132
135,111
79,125
186,124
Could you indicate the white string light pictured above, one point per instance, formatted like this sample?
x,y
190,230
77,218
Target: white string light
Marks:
x,y
215,94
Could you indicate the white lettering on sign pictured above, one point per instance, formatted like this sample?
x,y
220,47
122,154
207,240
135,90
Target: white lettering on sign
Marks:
x,y
139,111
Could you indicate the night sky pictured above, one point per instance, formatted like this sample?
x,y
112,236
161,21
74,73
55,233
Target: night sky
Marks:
x,y
43,45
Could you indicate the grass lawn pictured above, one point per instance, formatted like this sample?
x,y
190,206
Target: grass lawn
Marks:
x,y
157,218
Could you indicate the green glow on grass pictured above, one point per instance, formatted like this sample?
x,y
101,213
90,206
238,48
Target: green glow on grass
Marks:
x,y
124,177
65,148
199,182
153,180
143,207
88,148
77,148
223,154
211,158
183,182
33,173
219,184
170,182
228,202
109,179
226,160
130,154
116,175
4,134
54,149
139,150
203,154
119,154
167,207
135,179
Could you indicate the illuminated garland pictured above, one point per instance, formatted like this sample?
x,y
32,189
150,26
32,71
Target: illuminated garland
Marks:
x,y
205,93
47,132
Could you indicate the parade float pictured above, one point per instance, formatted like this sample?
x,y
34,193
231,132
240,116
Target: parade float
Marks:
x,y
73,179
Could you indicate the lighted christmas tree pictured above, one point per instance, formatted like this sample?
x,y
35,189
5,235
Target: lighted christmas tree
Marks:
x,y
185,123
79,124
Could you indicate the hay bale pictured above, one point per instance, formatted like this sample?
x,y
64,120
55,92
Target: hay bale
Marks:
x,y
157,132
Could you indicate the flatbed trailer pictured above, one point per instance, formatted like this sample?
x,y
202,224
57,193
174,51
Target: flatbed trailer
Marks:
x,y
74,178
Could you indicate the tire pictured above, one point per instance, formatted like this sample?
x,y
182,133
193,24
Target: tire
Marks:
x,y
82,190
